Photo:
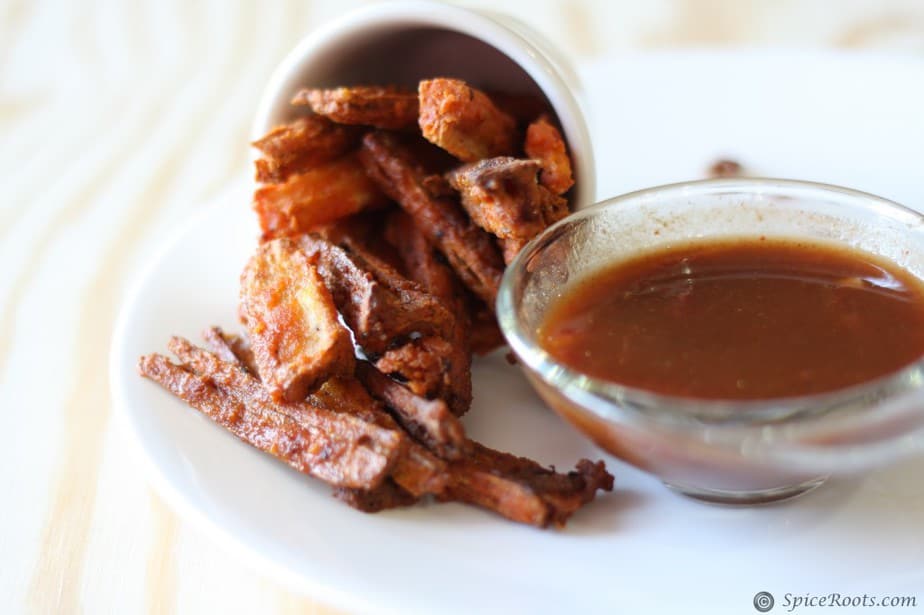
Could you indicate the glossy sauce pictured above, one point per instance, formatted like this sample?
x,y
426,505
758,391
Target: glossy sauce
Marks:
x,y
743,319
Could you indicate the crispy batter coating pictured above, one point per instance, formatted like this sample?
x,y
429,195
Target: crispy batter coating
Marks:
x,y
388,107
485,335
412,467
380,306
387,495
431,367
333,448
471,253
503,196
463,121
298,341
521,489
420,261
725,167
434,368
345,438
318,196
231,348
301,145
545,144
417,470
429,421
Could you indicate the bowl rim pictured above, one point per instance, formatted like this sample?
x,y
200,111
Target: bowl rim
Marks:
x,y
524,46
612,401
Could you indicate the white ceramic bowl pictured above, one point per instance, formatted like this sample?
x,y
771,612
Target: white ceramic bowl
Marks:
x,y
404,42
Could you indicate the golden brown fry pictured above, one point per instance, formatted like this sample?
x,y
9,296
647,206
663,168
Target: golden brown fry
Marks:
x,y
503,196
485,335
380,306
545,144
388,107
298,341
470,252
417,470
387,495
420,260
431,367
429,421
521,489
725,167
300,145
434,368
464,121
342,452
231,348
321,195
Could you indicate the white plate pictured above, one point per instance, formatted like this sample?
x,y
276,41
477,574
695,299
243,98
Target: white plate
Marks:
x,y
656,118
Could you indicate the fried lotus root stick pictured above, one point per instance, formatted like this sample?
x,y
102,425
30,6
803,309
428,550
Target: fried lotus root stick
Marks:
x,y
521,489
428,421
334,448
387,107
298,340
380,305
301,145
387,495
414,468
417,470
503,196
431,367
485,335
545,144
231,348
470,251
318,196
463,121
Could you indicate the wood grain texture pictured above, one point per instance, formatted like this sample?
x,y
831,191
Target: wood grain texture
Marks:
x,y
116,119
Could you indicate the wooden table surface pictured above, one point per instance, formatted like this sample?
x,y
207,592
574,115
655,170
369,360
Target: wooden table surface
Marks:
x,y
116,120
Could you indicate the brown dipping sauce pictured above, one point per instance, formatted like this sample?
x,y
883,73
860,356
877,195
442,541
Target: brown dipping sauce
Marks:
x,y
740,319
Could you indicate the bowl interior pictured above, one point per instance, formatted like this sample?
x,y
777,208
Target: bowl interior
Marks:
x,y
404,42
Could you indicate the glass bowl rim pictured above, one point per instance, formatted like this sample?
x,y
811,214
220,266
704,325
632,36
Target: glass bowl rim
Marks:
x,y
646,405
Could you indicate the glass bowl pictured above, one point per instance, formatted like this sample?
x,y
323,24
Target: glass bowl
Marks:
x,y
721,450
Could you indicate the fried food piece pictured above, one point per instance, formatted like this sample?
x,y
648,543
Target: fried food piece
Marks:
x,y
420,261
318,196
469,250
434,368
545,144
298,340
363,233
301,145
725,167
387,495
428,421
388,107
503,196
485,335
463,121
380,306
431,367
521,489
339,451
414,468
231,348
417,470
